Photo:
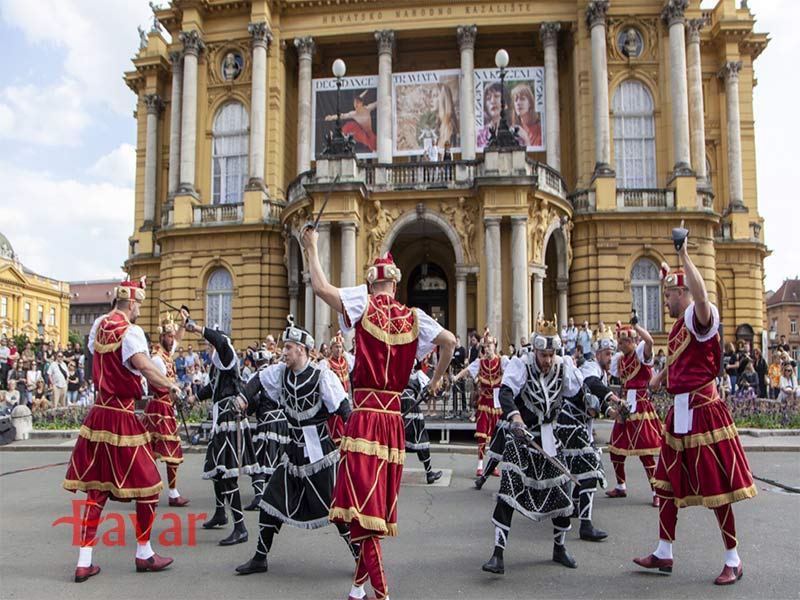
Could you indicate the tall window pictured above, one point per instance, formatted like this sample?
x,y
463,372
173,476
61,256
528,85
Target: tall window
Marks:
x,y
3,307
634,136
646,292
27,311
219,296
229,154
40,317
52,316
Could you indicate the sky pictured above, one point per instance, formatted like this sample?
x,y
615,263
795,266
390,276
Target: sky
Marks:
x,y
67,133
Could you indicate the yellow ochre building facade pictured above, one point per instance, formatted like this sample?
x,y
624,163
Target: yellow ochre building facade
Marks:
x,y
629,116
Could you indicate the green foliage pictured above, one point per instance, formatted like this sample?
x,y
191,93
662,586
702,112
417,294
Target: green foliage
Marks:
x,y
21,341
75,337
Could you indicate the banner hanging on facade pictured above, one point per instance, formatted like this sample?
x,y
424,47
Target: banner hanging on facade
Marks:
x,y
425,106
358,103
524,94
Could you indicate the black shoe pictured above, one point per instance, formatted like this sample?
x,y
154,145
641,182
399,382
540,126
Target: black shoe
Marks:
x,y
218,520
433,476
479,481
254,504
252,566
495,565
590,533
560,555
237,536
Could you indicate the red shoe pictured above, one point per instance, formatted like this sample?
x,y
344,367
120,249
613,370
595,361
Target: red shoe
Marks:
x,y
656,501
496,473
478,472
653,562
617,493
729,575
154,563
83,573
179,501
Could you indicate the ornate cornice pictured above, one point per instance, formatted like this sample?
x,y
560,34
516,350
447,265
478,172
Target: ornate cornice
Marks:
x,y
693,27
260,33
385,39
466,35
674,11
596,13
192,42
730,71
548,33
305,45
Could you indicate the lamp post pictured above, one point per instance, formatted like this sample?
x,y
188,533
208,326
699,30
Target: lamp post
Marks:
x,y
502,136
336,143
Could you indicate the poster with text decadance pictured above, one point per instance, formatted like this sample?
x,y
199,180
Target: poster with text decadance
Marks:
x,y
425,107
358,106
524,96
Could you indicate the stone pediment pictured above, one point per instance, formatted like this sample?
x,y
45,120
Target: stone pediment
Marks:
x,y
9,273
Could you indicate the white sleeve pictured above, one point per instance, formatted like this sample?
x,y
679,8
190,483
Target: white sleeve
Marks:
x,y
640,355
429,330
504,362
590,368
688,318
323,364
354,302
474,367
93,333
514,375
270,378
351,361
133,342
158,362
423,378
331,390
573,378
615,364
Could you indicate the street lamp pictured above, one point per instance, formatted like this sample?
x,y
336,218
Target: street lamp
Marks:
x,y
502,136
336,143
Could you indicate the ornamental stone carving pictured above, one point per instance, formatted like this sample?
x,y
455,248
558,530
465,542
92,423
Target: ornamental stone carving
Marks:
x,y
540,215
548,33
304,45
693,27
385,39
192,42
730,71
674,11
175,57
226,64
153,103
379,221
631,43
466,35
462,217
260,33
596,12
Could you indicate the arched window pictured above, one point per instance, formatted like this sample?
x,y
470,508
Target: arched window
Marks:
x,y
646,293
229,154
634,136
219,297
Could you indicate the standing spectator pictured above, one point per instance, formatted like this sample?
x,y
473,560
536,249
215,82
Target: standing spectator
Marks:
x,y
774,375
761,368
199,379
14,355
28,355
788,384
32,377
192,358
456,365
5,366
660,362
188,373
48,354
17,375
570,337
180,364
578,358
585,340
73,384
58,373
731,361
248,369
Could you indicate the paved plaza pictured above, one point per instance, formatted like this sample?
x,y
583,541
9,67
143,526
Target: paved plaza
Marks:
x,y
445,536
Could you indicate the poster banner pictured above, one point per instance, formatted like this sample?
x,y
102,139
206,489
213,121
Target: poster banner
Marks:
x,y
524,94
425,113
358,103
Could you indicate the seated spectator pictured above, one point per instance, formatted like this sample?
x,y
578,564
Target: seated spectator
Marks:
x,y
84,397
32,377
747,383
188,373
11,398
788,384
774,375
180,364
5,366
40,402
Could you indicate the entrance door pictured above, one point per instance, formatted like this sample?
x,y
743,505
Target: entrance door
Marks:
x,y
427,289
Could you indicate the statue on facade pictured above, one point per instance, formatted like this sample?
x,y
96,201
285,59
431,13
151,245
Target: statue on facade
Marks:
x,y
142,38
463,220
230,67
379,223
632,44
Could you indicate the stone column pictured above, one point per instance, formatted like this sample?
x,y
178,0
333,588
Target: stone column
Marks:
x,y
520,326
596,19
461,303
292,267
696,110
262,36
466,35
562,285
154,105
673,17
348,274
537,272
494,281
385,39
192,46
308,319
175,122
322,312
730,73
548,32
305,51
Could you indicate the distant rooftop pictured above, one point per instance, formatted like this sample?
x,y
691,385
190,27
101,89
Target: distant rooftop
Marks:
x,y
788,293
92,292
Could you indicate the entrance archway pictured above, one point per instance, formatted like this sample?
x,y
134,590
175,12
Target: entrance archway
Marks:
x,y
427,288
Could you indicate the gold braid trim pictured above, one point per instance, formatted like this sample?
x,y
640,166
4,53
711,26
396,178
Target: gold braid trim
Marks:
x,y
107,437
167,438
370,448
106,486
392,339
106,348
348,515
698,440
491,411
635,451
644,416
168,459
709,501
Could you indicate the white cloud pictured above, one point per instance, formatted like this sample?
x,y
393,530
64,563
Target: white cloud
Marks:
x,y
53,115
64,228
118,166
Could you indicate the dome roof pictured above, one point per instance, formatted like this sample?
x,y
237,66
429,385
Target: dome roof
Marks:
x,y
6,249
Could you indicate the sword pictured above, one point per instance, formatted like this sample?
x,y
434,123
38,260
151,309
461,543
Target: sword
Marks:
x,y
529,439
181,400
424,396
322,208
238,439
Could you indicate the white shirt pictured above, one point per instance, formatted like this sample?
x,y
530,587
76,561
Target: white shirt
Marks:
x,y
516,374
475,366
330,388
5,352
56,375
354,301
349,358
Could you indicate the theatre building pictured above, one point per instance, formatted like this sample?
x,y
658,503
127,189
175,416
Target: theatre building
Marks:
x,y
621,119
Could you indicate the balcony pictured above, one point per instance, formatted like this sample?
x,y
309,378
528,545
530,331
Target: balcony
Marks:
x,y
218,213
205,215
645,198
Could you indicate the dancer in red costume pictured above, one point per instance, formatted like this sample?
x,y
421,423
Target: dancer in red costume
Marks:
x,y
341,363
159,416
112,457
702,462
639,431
389,336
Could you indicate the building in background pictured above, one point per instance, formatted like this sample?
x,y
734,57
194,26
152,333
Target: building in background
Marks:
x,y
631,116
31,304
783,316
90,299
